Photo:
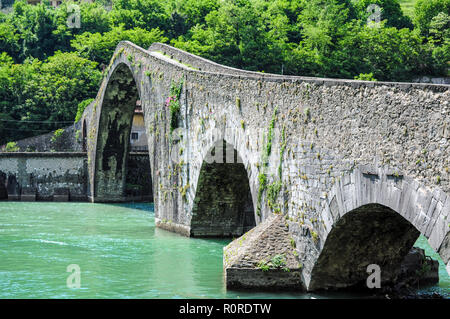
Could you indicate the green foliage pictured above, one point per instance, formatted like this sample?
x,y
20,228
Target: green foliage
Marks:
x,y
55,66
315,236
100,47
282,149
307,112
408,7
173,103
183,191
386,52
268,148
272,192
293,244
276,262
426,10
12,147
263,265
57,134
390,11
274,188
81,107
44,91
365,77
144,14
262,178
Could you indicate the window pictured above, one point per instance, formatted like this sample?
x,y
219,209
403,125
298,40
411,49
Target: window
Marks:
x,y
134,136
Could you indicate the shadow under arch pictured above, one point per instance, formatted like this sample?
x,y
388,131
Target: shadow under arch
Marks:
x,y
84,136
3,191
113,136
223,205
376,214
369,234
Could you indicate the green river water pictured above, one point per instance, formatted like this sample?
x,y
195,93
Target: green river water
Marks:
x,y
120,254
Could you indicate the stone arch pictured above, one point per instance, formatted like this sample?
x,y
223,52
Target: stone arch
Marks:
x,y
113,134
223,205
374,216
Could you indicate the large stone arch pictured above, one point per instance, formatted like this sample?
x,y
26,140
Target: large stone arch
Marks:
x,y
116,109
374,216
223,204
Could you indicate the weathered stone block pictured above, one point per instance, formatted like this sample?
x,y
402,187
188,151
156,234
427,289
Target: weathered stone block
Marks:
x,y
272,279
264,258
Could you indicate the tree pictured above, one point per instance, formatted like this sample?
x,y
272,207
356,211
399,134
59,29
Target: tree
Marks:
x,y
144,14
426,10
44,92
390,11
440,38
237,35
185,14
387,52
100,47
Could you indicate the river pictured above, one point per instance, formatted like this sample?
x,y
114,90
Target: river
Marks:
x,y
120,254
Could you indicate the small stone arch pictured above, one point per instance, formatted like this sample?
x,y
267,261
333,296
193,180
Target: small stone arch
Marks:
x,y
223,205
374,216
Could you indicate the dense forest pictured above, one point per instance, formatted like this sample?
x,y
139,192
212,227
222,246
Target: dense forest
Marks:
x,y
48,68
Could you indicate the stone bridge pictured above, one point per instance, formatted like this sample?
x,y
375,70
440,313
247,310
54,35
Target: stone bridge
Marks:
x,y
335,174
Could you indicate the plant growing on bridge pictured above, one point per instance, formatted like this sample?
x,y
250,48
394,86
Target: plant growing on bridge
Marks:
x,y
272,193
238,103
282,149
12,147
265,161
276,262
307,112
315,236
263,265
270,135
57,134
81,107
293,244
183,191
173,103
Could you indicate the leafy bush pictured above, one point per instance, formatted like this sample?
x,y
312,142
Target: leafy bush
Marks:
x,y
81,107
100,47
365,77
276,262
12,147
426,10
57,134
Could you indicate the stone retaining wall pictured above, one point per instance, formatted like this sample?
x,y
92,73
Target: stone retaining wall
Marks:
x,y
44,176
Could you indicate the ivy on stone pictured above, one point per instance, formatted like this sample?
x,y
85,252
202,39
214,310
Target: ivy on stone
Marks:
x,y
173,103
